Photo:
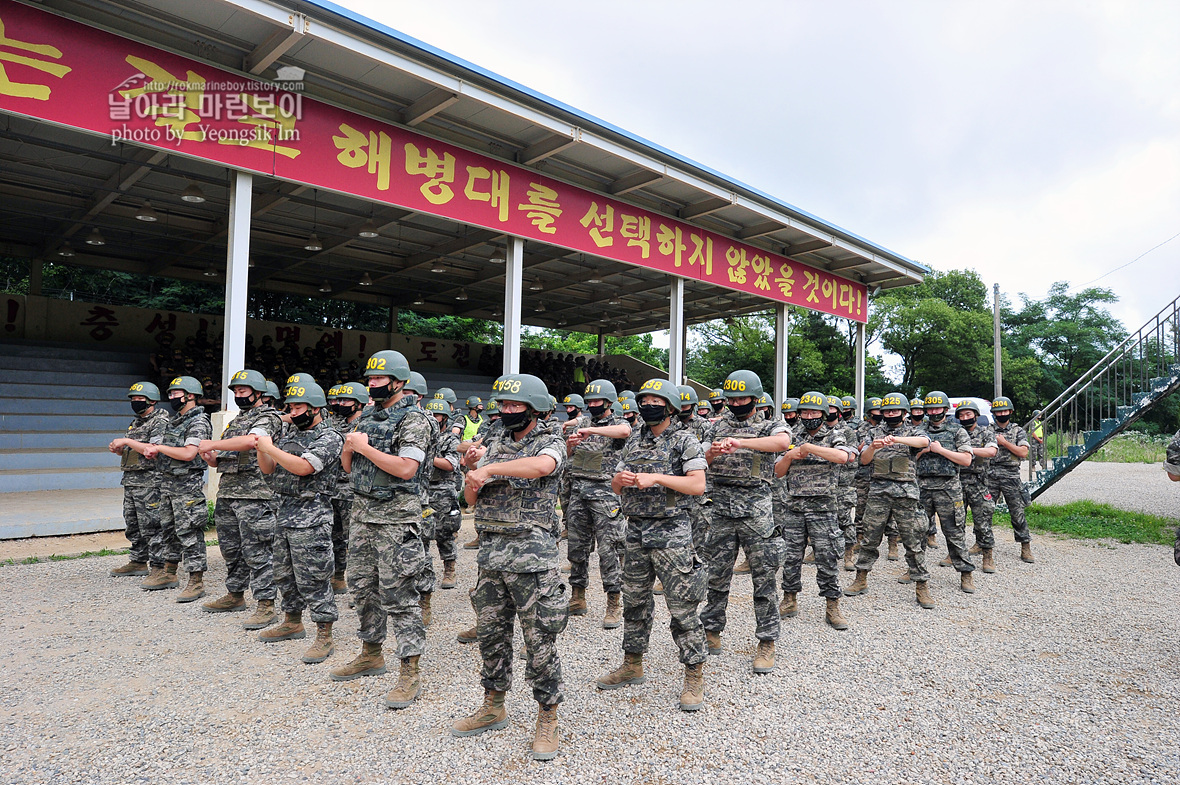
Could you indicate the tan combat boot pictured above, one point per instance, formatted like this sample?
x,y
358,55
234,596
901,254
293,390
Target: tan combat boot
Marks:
x,y
849,561
339,584
264,616
692,697
171,581
230,602
408,686
578,601
809,558
370,662
905,576
658,588
967,582
833,616
892,555
614,611
630,672
448,578
858,586
471,546
922,595
424,605
545,741
976,549
989,561
161,578
491,715
468,636
290,630
789,607
322,647
742,568
931,540
946,562
764,657
713,642
129,569
1026,552
195,589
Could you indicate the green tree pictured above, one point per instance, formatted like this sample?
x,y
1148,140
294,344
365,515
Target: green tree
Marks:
x,y
638,346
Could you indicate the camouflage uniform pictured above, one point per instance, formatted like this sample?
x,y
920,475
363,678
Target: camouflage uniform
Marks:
x,y
183,510
811,512
1003,479
846,486
742,515
659,542
341,502
700,507
303,563
443,489
141,486
1172,467
893,491
975,493
385,555
861,483
517,561
565,484
246,507
939,490
593,517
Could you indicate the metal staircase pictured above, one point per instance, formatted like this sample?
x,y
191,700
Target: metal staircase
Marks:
x,y
1105,400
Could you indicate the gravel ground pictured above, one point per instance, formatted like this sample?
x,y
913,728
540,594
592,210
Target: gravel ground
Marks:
x,y
1141,487
1063,671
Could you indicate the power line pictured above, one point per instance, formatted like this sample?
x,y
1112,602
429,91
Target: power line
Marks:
x,y
1128,264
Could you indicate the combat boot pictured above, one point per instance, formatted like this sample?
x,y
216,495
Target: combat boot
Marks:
x,y
833,616
448,578
905,576
789,607
545,741
232,601
129,569
946,562
290,630
976,549
339,585
764,657
614,611
471,546
713,642
468,636
171,580
408,686
658,587
742,568
491,715
630,672
1026,552
858,586
892,555
931,540
322,647
578,601
264,616
849,561
989,561
157,579
692,697
922,595
424,605
370,662
809,558
967,582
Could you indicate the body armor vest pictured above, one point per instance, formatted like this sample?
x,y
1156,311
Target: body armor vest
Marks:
x,y
930,465
381,425
514,505
174,437
894,462
140,431
243,460
744,466
596,456
651,457
297,442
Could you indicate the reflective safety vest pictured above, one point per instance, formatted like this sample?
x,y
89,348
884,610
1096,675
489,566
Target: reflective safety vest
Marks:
x,y
471,427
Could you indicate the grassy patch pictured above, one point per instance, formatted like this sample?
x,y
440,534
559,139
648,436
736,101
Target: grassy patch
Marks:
x,y
1093,521
64,556
1133,447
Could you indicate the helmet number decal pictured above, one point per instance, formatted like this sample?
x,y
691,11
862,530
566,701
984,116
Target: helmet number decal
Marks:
x,y
375,364
293,390
507,385
735,384
593,388
137,387
239,376
812,399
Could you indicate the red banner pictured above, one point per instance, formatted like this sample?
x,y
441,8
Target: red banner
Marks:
x,y
65,72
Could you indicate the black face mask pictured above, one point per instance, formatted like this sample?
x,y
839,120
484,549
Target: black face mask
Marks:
x,y
177,403
381,393
596,410
653,414
893,420
1003,419
916,418
631,418
741,412
812,423
876,419
791,418
833,416
139,407
571,413
685,416
848,414
343,410
244,401
303,421
936,417
968,422
516,421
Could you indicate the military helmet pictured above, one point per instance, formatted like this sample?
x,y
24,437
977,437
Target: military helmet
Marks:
x,y
446,393
627,406
917,403
1001,403
874,403
188,384
573,399
272,391
764,402
968,406
1036,413
833,400
627,395
355,391
813,401
790,405
616,408
493,407
437,406
473,402
742,383
299,378
600,389
661,388
417,384
310,393
522,387
146,389
552,400
847,403
937,398
389,363
688,395
332,393
247,378
716,395
895,400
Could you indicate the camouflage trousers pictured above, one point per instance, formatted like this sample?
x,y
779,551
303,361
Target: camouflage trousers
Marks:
x,y
948,504
1012,490
861,485
903,506
341,514
822,529
725,536
845,505
595,522
303,567
684,578
979,500
540,601
183,515
141,517
245,534
699,515
445,523
384,563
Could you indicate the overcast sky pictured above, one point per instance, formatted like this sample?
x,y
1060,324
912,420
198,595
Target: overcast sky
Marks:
x,y
1030,141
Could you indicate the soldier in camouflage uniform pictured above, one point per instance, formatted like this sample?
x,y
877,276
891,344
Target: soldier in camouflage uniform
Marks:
x,y
939,490
864,473
573,405
442,491
974,480
846,486
717,401
593,516
141,477
346,402
246,505
384,456
702,429
1003,475
1172,467
512,484
742,467
892,451
183,510
660,469
304,462
811,472
790,413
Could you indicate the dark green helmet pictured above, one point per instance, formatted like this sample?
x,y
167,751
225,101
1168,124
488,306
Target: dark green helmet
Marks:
x,y
688,396
388,363
847,403
446,393
188,384
627,395
716,396
299,378
355,391
790,405
661,388
1001,403
146,389
740,384
813,402
895,400
473,402
834,400
272,392
417,384
764,402
437,406
573,399
626,406
917,403
874,403
252,379
522,387
968,406
332,393
309,392
937,398
492,408
600,390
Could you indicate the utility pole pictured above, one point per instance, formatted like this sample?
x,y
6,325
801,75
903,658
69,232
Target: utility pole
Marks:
x,y
998,374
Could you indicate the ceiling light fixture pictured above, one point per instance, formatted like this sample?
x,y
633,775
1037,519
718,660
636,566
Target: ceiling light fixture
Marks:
x,y
462,295
66,250
192,194
210,271
368,229
325,286
595,277
365,280
562,322
95,237
614,300
313,243
146,213
541,307
535,285
418,300
250,262
497,313
496,259
438,267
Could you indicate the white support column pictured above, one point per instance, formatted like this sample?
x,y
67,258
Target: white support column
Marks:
x,y
780,353
676,331
601,343
513,283
237,274
860,369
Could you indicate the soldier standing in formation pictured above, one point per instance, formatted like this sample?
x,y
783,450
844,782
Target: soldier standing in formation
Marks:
x,y
346,402
442,492
141,478
939,489
702,429
1004,472
846,480
973,477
